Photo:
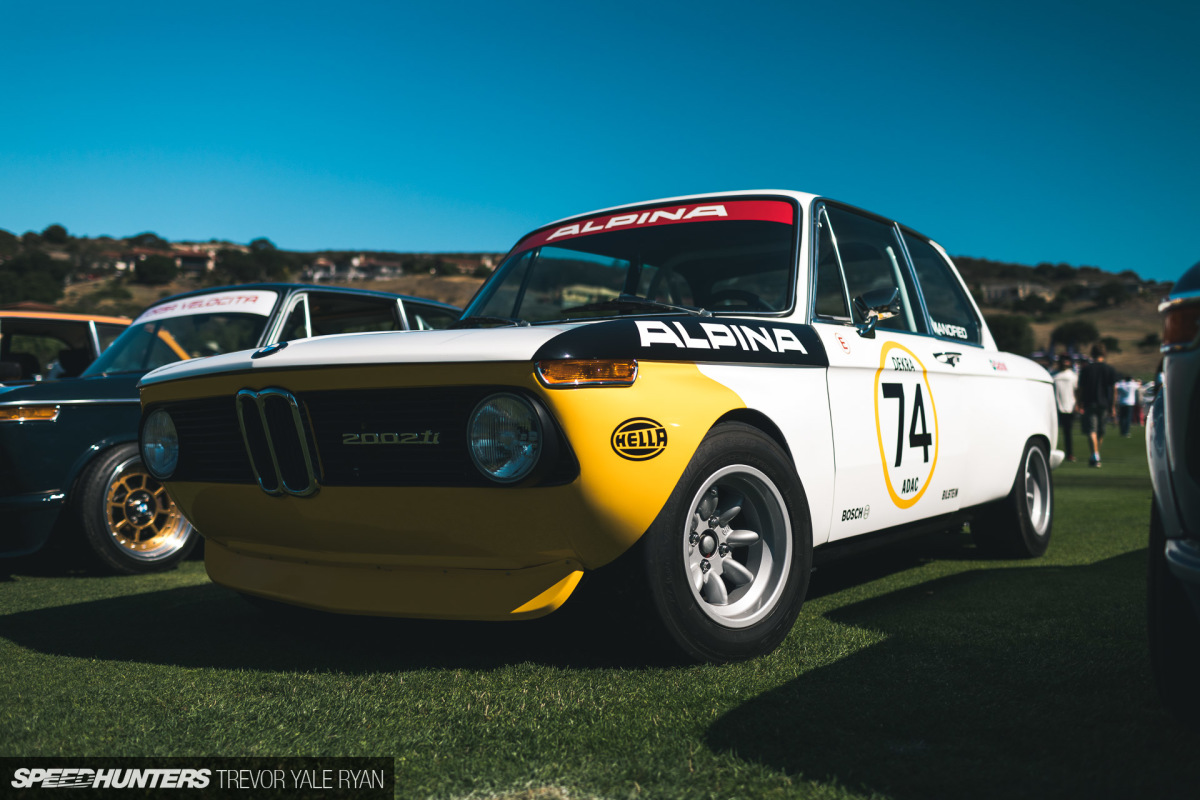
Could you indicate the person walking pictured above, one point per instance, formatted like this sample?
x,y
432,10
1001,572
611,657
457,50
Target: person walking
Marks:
x,y
1065,383
1126,403
1096,399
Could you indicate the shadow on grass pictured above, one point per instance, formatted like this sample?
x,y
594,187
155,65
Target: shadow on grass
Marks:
x,y
210,626
1016,682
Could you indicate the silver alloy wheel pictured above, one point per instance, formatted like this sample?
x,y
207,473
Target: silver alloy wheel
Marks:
x,y
141,518
1037,490
737,546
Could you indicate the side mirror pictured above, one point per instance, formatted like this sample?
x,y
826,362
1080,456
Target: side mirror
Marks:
x,y
875,305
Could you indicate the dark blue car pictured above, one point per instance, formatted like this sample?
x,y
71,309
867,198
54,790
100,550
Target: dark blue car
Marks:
x,y
69,464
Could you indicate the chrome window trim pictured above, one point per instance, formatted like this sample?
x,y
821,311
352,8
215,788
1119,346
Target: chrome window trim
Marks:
x,y
104,401
403,312
814,247
258,398
95,337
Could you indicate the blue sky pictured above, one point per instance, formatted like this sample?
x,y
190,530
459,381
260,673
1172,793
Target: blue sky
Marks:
x,y
1017,131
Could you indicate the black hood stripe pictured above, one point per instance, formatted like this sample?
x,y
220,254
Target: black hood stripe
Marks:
x,y
688,338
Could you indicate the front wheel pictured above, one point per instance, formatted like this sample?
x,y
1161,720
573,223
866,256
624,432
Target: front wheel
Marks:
x,y
1019,525
129,522
727,561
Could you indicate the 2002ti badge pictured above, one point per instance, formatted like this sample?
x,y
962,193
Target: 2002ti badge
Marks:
x,y
703,394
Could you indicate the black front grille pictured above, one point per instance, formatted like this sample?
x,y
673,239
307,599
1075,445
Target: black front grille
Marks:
x,y
395,437
210,444
365,437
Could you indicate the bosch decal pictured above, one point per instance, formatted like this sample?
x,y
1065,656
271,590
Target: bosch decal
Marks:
x,y
639,439
850,514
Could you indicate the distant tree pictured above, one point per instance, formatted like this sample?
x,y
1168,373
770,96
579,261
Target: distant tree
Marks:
x,y
1032,304
1150,341
234,266
32,275
261,244
1112,293
155,271
31,239
481,271
1064,272
9,243
1068,293
1111,344
1074,333
1012,332
149,240
1129,275
55,234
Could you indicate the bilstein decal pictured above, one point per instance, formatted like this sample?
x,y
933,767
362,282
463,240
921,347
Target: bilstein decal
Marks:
x,y
639,439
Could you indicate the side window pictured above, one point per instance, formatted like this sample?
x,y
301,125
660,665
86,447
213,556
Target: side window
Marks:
x,y
106,333
296,324
429,318
339,313
949,309
872,259
830,298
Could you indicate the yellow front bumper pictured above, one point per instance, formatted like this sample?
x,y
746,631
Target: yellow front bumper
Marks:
x,y
480,594
452,552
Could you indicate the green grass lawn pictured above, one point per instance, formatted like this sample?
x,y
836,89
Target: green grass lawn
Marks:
x,y
920,672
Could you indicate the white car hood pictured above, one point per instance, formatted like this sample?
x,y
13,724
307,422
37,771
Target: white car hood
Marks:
x,y
393,347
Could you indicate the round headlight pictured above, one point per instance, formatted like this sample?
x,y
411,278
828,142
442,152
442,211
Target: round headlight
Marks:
x,y
505,437
160,445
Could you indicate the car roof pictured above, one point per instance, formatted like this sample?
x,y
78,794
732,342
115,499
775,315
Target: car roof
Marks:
x,y
283,288
64,317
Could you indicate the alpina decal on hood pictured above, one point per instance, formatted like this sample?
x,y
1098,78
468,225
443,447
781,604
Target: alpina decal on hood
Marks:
x,y
686,338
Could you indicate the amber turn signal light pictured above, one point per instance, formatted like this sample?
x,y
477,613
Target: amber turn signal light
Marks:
x,y
28,413
587,372
1181,324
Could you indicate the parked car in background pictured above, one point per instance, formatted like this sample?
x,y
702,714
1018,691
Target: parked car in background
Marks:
x,y
69,462
703,393
44,345
1173,449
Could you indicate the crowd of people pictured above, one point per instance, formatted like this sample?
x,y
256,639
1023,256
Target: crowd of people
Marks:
x,y
1099,396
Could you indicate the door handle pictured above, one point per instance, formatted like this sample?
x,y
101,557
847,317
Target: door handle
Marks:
x,y
948,358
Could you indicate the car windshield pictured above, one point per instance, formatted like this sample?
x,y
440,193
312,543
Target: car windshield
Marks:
x,y
731,256
147,345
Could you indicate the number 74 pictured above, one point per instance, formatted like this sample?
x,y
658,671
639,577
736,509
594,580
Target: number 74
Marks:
x,y
924,439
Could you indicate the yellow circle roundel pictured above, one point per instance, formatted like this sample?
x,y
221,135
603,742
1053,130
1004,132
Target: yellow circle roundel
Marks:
x,y
905,424
639,439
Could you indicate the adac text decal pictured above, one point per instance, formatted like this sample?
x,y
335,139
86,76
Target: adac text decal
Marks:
x,y
753,210
639,439
687,338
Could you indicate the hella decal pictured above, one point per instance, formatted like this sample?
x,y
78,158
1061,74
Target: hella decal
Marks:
x,y
715,335
639,439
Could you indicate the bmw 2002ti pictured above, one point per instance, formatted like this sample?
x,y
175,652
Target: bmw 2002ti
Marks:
x,y
69,464
703,393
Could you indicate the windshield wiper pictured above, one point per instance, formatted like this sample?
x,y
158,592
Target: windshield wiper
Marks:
x,y
476,321
629,302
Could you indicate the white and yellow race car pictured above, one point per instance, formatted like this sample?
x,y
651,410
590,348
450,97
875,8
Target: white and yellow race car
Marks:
x,y
704,392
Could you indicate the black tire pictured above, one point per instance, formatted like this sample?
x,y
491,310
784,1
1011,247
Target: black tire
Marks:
x,y
1019,526
1174,632
758,613
129,523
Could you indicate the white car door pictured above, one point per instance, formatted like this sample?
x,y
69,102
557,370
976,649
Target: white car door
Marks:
x,y
893,396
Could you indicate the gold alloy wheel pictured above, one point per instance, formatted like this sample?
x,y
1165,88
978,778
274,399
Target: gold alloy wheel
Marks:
x,y
141,517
